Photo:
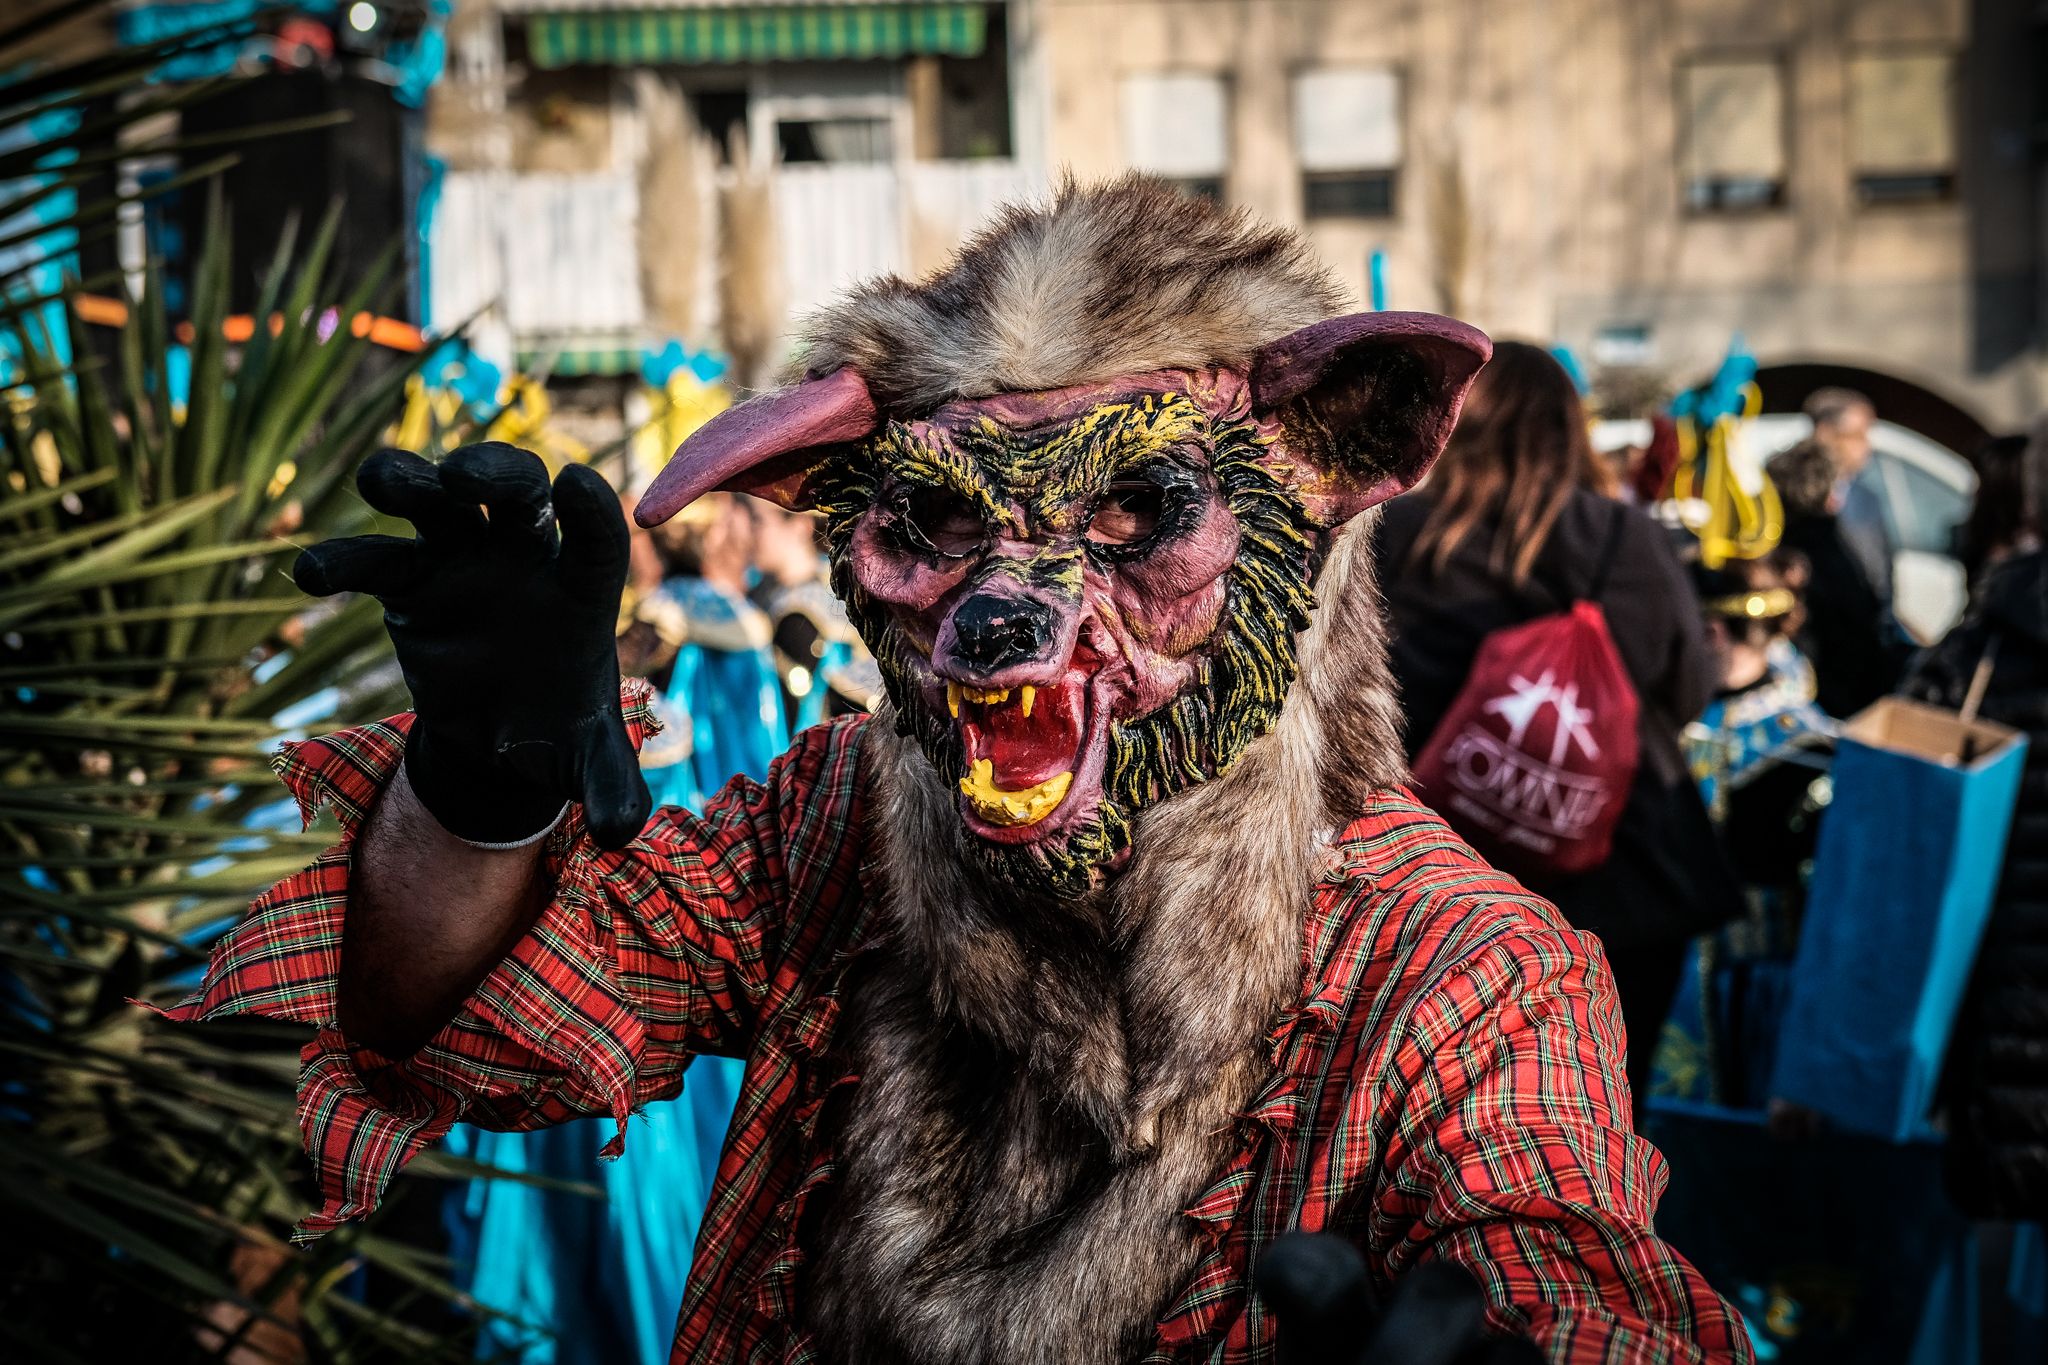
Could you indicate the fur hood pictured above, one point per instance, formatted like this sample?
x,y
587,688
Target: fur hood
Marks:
x,y
1118,278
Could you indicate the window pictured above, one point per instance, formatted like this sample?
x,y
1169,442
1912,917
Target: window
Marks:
x,y
1625,343
809,116
1732,134
721,114
1902,137
973,104
1347,136
840,140
1177,126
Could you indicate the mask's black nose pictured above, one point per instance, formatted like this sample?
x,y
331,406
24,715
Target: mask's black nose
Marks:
x,y
993,631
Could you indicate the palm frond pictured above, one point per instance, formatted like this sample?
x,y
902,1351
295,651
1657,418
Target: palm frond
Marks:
x,y
149,641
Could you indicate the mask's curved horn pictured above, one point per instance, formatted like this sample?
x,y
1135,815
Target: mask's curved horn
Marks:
x,y
767,446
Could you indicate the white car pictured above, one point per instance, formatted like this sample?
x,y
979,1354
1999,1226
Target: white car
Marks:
x,y
1926,490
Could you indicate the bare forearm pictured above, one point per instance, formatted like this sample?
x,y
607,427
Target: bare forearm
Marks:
x,y
428,917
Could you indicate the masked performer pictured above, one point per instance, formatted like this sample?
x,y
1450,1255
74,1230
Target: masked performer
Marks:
x,y
1107,951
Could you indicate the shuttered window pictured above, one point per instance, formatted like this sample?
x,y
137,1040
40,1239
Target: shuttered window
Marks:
x,y
1902,135
1732,133
1347,139
1177,125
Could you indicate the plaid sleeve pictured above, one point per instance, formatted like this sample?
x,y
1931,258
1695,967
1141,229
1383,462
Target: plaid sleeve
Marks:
x,y
643,957
1512,1156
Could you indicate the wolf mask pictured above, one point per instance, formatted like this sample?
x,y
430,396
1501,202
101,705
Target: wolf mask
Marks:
x,y
1077,490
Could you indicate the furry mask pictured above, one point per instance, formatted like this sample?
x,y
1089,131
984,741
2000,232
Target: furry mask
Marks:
x,y
1076,491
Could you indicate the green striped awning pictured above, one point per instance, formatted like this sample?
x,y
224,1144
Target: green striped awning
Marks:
x,y
765,33
581,360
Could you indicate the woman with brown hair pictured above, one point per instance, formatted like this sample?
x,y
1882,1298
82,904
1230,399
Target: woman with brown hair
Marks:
x,y
1518,521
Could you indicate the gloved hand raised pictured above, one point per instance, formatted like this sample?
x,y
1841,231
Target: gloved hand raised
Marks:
x,y
504,631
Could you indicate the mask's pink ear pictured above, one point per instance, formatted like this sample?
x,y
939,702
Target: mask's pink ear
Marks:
x,y
1365,403
768,446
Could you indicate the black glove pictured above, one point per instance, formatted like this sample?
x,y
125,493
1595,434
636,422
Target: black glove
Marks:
x,y
1323,1301
504,632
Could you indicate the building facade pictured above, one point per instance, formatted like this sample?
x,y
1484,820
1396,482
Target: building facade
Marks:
x,y
1852,185
616,174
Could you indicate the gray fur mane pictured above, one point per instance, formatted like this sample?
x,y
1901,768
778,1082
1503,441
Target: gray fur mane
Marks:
x,y
1119,278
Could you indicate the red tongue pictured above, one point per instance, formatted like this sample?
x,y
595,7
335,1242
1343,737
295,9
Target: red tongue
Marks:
x,y
1025,750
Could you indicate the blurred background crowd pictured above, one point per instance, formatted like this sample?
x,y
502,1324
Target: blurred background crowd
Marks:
x,y
1782,271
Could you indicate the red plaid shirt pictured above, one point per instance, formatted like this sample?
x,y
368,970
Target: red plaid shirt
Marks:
x,y
1447,1085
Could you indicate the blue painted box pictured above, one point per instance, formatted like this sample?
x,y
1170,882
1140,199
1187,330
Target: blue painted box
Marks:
x,y
1903,879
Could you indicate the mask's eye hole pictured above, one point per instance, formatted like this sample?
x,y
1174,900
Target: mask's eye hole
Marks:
x,y
941,522
1128,513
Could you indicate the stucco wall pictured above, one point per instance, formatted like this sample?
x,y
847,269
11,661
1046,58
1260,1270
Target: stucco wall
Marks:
x,y
1558,119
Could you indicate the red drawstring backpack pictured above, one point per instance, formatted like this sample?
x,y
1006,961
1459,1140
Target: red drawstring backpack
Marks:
x,y
1534,761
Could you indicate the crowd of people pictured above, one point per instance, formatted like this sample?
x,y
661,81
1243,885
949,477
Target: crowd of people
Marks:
x,y
1745,672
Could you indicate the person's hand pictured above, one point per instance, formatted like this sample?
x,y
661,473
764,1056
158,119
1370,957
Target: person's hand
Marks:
x,y
1323,1302
503,628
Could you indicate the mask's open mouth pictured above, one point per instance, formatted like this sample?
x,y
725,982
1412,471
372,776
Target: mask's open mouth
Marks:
x,y
1027,748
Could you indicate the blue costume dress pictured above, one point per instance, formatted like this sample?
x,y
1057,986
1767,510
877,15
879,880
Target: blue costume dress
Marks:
x,y
814,640
1721,1041
586,1280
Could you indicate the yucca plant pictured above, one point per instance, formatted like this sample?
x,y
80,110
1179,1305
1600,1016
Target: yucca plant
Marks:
x,y
152,650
